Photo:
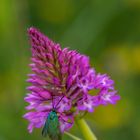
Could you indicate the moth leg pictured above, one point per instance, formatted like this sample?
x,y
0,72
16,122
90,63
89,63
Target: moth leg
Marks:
x,y
65,121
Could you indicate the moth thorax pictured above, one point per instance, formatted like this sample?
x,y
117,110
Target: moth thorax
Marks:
x,y
53,114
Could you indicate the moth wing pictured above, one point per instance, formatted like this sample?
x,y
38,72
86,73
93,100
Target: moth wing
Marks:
x,y
56,137
45,130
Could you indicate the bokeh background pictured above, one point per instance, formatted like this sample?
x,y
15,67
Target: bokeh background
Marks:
x,y
106,30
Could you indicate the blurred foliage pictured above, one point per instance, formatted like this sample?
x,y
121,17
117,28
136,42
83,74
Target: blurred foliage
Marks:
x,y
108,31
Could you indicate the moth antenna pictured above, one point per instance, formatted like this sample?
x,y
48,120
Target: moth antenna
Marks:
x,y
52,102
59,101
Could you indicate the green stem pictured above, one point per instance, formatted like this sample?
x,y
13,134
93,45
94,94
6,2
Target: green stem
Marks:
x,y
86,131
72,136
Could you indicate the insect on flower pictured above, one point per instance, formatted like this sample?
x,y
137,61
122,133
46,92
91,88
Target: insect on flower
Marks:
x,y
51,127
61,81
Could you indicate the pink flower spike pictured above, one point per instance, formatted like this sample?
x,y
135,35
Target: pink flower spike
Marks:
x,y
61,80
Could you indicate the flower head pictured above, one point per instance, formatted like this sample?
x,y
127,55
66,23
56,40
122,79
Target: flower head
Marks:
x,y
61,80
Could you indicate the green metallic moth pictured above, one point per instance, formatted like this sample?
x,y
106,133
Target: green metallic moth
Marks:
x,y
51,127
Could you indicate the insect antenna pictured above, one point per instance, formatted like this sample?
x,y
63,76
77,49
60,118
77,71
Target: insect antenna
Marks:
x,y
59,102
52,102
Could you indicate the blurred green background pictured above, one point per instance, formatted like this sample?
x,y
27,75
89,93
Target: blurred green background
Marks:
x,y
106,30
